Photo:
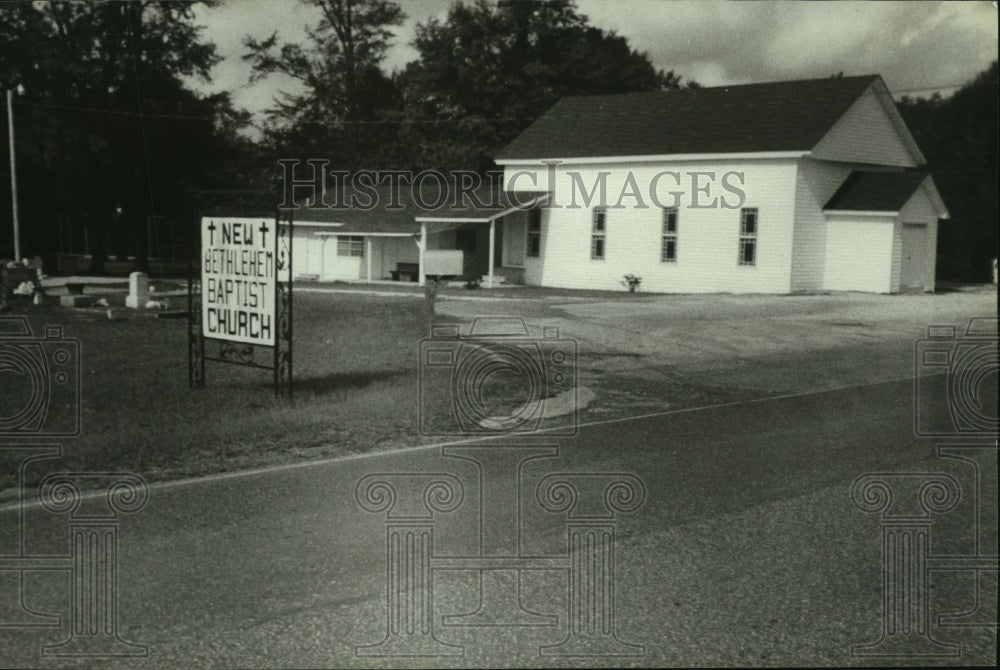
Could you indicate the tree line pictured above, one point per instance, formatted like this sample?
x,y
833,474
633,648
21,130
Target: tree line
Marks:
x,y
958,137
110,131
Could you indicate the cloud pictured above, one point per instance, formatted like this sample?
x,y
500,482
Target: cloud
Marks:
x,y
915,46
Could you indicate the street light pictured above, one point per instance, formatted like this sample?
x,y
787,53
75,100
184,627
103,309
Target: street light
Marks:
x,y
13,169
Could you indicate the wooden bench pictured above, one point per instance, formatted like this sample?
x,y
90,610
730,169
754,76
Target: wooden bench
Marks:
x,y
406,272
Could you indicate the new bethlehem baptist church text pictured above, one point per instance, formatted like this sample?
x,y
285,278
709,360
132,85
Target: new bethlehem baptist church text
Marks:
x,y
238,281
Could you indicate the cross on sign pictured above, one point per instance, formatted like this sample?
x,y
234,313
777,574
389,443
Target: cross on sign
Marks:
x,y
211,232
263,232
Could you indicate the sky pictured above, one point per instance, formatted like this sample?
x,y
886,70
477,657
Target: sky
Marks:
x,y
917,47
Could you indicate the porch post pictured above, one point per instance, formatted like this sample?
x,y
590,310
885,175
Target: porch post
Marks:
x,y
493,234
368,259
422,245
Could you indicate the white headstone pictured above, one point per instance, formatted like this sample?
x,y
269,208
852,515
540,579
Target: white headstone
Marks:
x,y
138,290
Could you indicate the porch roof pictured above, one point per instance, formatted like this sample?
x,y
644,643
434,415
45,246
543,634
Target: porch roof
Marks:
x,y
379,211
499,204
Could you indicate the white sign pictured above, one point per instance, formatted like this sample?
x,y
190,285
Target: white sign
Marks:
x,y
238,279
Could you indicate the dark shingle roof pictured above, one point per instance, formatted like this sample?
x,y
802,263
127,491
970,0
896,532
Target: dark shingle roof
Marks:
x,y
876,191
377,210
779,116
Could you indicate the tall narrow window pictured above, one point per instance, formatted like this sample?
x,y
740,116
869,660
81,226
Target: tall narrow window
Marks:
x,y
535,233
350,245
748,236
668,245
598,232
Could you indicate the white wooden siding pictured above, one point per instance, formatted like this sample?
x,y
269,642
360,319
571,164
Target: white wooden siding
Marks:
x,y
921,209
859,254
306,252
317,255
816,182
708,236
895,267
866,134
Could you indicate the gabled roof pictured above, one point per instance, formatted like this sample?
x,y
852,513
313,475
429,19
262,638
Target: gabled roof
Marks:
x,y
778,116
875,191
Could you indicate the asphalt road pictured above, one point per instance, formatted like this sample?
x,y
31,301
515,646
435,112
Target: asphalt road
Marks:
x,y
747,551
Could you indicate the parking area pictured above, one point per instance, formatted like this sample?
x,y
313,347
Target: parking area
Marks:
x,y
772,344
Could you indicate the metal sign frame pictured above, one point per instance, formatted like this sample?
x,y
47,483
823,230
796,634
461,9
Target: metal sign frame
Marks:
x,y
237,353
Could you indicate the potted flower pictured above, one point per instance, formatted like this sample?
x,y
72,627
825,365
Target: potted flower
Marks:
x,y
631,282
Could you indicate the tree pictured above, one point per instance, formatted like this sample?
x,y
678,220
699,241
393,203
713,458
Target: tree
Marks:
x,y
108,119
958,136
345,88
488,70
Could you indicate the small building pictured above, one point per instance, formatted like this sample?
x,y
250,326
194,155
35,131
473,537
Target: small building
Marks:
x,y
479,234
357,245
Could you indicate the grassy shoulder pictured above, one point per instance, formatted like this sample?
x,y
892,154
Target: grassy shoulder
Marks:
x,y
355,369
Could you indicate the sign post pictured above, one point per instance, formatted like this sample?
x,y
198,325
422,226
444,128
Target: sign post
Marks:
x,y
245,297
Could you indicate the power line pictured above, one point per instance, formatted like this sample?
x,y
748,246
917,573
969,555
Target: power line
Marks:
x,y
114,112
191,117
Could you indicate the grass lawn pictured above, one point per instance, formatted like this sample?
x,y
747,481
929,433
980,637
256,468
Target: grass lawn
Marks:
x,y
355,381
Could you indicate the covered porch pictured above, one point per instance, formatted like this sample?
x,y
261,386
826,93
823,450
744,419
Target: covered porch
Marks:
x,y
492,241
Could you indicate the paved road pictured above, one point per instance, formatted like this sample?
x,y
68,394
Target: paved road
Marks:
x,y
748,550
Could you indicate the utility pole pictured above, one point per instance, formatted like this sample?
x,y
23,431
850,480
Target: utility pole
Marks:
x,y
13,175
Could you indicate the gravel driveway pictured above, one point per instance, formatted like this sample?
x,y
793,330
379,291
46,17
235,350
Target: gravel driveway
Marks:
x,y
767,344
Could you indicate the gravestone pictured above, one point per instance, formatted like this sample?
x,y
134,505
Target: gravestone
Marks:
x,y
138,290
